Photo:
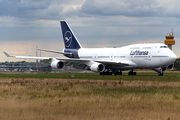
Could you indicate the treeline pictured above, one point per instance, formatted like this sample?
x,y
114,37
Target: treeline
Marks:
x,y
177,64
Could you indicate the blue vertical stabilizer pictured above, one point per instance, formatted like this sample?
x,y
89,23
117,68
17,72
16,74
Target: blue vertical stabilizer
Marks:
x,y
70,40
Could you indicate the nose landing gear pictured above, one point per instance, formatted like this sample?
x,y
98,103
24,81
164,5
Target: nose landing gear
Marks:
x,y
160,74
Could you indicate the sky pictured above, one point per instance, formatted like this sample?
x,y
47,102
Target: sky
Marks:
x,y
25,24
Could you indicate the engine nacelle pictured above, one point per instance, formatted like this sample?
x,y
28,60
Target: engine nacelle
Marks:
x,y
97,67
57,64
170,66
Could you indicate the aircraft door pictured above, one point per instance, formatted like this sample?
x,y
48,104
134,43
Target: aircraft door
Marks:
x,y
95,56
112,57
149,56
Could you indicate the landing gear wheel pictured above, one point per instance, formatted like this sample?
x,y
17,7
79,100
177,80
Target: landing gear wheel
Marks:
x,y
118,73
101,73
132,73
129,73
160,74
105,73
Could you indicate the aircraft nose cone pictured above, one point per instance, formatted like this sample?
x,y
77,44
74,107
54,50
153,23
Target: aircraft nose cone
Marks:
x,y
173,57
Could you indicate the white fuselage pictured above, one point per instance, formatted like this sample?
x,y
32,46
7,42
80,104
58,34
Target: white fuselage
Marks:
x,y
141,55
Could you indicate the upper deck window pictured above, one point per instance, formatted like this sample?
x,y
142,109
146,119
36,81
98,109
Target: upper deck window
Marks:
x,y
164,47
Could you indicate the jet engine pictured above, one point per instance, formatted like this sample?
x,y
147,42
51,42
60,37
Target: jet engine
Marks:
x,y
57,64
170,66
97,67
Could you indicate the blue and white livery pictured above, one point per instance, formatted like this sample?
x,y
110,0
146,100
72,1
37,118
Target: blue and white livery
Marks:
x,y
108,61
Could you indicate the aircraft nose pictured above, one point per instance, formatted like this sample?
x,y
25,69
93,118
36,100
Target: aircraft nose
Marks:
x,y
173,57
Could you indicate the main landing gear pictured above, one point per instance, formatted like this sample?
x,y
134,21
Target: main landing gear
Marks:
x,y
105,73
132,73
118,72
115,72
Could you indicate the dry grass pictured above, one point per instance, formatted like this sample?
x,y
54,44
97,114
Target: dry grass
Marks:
x,y
46,99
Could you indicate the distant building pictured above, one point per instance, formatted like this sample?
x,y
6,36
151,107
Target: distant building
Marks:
x,y
31,66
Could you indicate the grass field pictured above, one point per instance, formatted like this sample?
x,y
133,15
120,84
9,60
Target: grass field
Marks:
x,y
87,96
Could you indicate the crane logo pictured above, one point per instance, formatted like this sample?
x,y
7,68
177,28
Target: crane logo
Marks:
x,y
68,38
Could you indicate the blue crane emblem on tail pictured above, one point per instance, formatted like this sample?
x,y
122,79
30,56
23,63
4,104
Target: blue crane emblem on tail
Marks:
x,y
68,38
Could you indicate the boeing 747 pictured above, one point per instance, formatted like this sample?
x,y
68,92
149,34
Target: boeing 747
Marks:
x,y
108,61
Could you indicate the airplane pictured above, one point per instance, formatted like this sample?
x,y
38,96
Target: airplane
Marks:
x,y
108,61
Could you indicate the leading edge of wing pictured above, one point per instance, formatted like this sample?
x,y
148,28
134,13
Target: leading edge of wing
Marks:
x,y
121,63
29,57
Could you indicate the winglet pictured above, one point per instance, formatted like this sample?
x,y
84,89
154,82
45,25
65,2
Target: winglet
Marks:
x,y
7,55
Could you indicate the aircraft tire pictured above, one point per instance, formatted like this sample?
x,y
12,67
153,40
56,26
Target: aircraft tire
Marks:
x,y
132,73
105,73
101,73
118,73
129,73
160,74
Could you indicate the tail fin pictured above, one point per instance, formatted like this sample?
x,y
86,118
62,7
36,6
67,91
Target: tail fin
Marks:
x,y
70,40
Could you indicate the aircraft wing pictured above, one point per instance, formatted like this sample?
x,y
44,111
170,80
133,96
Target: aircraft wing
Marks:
x,y
118,63
47,58
53,51
26,57
111,63
83,61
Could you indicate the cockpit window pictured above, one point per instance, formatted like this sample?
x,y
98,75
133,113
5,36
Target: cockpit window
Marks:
x,y
164,47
